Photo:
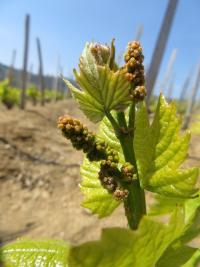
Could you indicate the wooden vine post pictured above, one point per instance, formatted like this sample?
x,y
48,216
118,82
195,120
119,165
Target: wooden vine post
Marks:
x,y
168,71
185,87
160,47
11,68
41,78
25,62
171,87
56,79
192,100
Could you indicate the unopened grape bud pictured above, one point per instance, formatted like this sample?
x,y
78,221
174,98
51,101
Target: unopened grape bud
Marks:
x,y
100,52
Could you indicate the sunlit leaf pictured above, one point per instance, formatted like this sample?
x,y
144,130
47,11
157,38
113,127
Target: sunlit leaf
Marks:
x,y
194,261
29,253
106,133
96,198
176,256
126,248
102,90
160,150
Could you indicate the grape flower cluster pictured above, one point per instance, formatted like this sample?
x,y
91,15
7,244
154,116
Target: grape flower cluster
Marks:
x,y
111,177
134,70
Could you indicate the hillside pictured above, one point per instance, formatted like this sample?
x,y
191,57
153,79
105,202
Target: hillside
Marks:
x,y
33,78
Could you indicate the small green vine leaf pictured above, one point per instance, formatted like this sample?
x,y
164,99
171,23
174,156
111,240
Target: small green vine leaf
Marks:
x,y
160,150
194,260
96,198
90,107
165,205
125,248
29,253
102,90
106,133
176,256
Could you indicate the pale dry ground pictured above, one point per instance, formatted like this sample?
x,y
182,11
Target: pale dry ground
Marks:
x,y
39,177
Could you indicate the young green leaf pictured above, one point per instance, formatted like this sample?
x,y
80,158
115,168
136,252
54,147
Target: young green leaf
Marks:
x,y
191,212
102,90
160,150
96,198
176,256
192,218
29,253
194,260
125,248
107,134
180,256
165,205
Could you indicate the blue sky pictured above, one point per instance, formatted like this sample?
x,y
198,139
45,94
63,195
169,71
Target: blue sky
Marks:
x,y
65,25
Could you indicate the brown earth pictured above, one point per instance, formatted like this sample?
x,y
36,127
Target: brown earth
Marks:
x,y
39,177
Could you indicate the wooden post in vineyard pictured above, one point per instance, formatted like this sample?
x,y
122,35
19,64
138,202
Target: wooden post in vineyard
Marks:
x,y
41,78
168,70
185,87
192,99
30,74
11,68
160,47
171,87
62,88
56,80
25,62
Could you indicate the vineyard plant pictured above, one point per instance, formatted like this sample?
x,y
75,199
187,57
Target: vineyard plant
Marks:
x,y
10,96
133,160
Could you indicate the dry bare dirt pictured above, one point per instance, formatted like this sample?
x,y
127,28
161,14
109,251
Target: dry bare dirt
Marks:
x,y
39,177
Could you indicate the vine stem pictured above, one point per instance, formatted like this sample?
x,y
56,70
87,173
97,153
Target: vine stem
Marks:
x,y
134,204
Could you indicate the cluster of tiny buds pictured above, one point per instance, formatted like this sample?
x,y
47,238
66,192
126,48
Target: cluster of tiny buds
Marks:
x,y
109,176
121,193
134,70
109,184
134,54
111,155
107,173
128,172
139,93
81,138
97,151
78,134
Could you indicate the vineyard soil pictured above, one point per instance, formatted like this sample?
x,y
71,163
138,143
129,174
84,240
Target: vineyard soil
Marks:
x,y
39,177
